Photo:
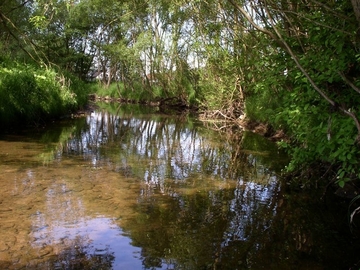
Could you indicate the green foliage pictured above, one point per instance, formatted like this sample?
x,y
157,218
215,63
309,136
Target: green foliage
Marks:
x,y
207,54
263,106
137,92
279,93
102,91
30,94
76,87
319,132
216,82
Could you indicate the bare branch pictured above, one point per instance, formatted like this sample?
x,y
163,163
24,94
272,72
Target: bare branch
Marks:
x,y
353,86
279,38
251,21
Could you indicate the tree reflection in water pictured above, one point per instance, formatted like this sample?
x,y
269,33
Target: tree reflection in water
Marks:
x,y
152,192
197,224
77,257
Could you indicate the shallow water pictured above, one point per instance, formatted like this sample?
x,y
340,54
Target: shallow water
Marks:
x,y
126,189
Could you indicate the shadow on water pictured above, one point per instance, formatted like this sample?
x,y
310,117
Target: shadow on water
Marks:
x,y
125,188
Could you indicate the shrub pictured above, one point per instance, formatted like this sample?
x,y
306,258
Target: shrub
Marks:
x,y
31,94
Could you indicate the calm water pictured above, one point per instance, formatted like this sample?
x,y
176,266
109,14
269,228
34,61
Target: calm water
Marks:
x,y
125,189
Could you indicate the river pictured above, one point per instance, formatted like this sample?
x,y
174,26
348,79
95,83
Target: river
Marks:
x,y
126,187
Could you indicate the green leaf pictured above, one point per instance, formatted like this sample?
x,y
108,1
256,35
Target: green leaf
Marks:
x,y
341,183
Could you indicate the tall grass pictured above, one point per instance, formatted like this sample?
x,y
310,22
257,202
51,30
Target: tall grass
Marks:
x,y
31,94
135,92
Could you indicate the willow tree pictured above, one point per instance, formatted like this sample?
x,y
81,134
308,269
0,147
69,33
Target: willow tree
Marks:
x,y
15,31
316,59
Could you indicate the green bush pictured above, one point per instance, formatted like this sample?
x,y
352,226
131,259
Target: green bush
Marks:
x,y
76,86
319,133
29,94
136,92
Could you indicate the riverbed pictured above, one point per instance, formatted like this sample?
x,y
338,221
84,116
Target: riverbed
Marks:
x,y
125,187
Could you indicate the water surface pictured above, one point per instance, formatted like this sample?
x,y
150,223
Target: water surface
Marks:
x,y
123,188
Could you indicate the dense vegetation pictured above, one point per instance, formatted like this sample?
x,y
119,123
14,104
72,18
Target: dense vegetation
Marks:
x,y
33,95
292,64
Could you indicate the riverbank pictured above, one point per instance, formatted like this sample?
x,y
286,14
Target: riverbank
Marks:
x,y
177,104
31,95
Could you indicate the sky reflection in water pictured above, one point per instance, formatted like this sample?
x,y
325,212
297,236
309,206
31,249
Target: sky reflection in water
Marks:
x,y
138,192
97,236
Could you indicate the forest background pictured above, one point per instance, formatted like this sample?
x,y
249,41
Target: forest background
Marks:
x,y
292,64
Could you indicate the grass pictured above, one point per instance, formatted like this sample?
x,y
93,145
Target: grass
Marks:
x,y
137,92
30,94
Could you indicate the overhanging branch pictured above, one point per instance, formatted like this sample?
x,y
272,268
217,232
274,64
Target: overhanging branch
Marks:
x,y
276,36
